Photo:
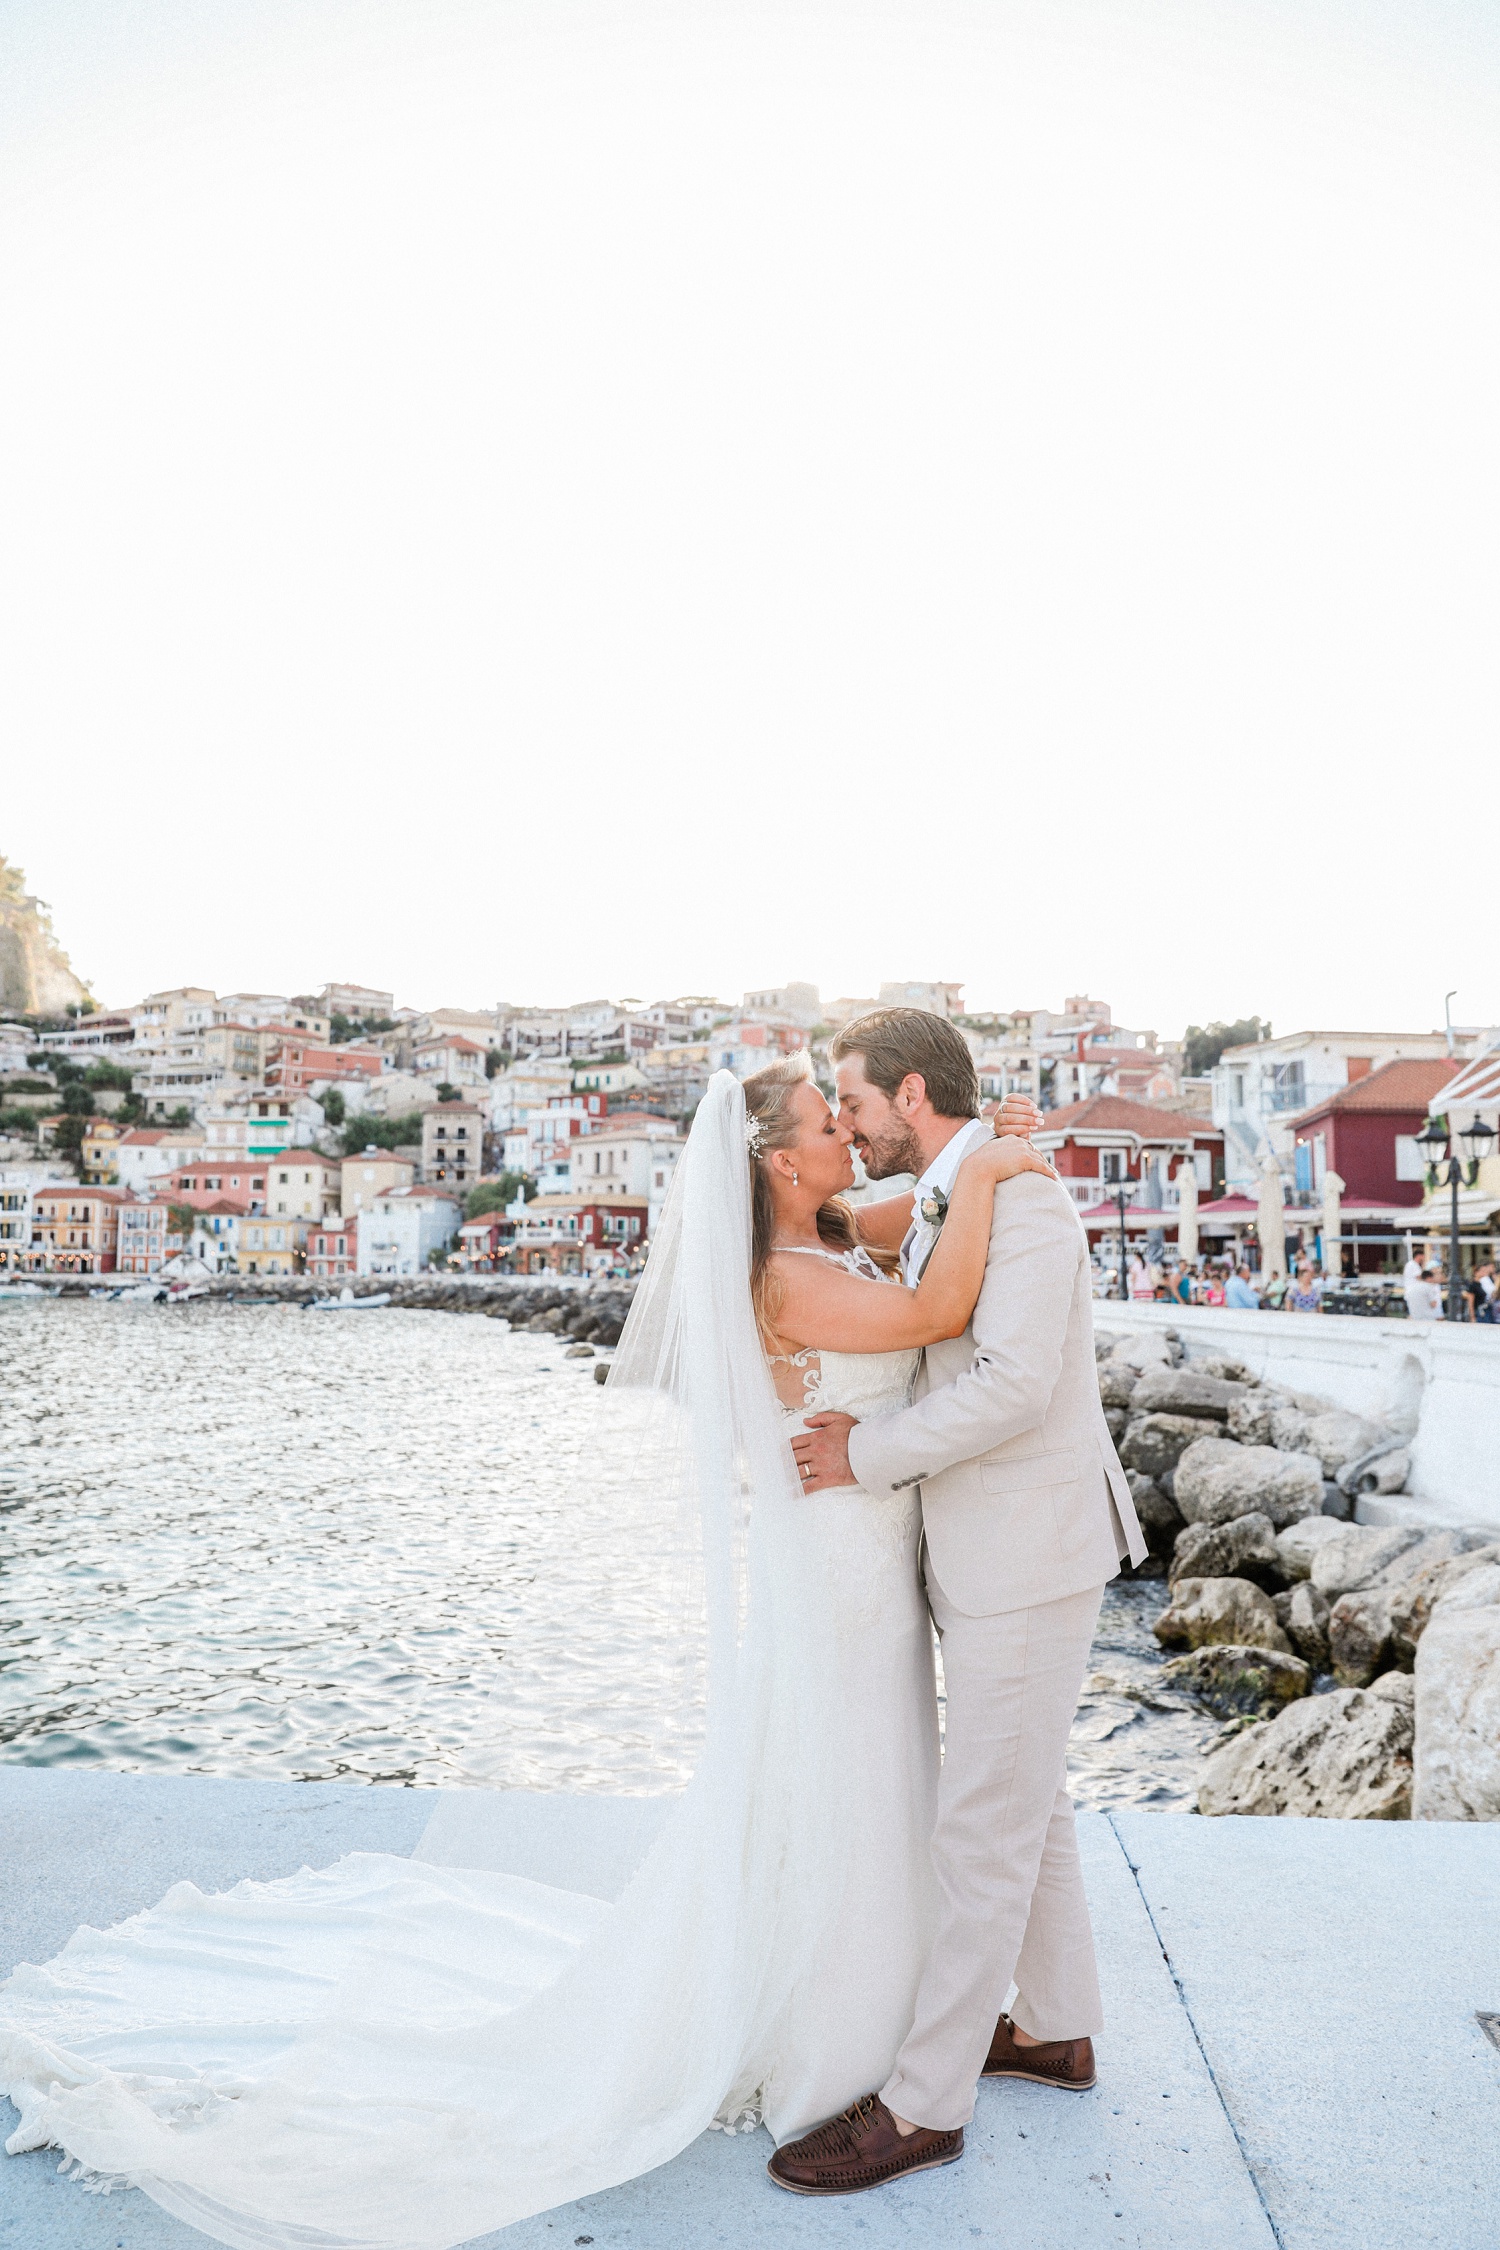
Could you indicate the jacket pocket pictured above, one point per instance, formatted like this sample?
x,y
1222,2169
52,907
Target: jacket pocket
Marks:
x,y
1032,1474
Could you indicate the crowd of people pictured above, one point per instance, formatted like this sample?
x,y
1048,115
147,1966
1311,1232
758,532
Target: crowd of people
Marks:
x,y
1217,1281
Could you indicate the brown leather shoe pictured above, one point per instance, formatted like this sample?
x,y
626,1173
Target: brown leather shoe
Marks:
x,y
1068,2063
860,2149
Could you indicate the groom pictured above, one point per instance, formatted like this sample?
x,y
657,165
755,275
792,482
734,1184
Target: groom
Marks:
x,y
1025,1514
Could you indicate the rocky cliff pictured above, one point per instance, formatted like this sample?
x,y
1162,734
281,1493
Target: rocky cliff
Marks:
x,y
36,977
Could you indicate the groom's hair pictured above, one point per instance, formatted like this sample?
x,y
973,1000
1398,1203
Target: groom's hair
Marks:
x,y
896,1041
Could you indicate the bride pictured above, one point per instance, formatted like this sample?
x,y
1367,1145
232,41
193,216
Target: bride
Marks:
x,y
402,2054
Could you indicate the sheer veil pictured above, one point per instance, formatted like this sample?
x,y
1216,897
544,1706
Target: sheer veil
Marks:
x,y
401,2055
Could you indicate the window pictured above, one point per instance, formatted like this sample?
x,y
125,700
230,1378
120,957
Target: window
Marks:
x,y
1112,1164
1411,1164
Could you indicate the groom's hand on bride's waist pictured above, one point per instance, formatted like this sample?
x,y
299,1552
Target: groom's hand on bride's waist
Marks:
x,y
822,1452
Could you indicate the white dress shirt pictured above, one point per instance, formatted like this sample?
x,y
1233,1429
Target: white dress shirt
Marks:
x,y
940,1173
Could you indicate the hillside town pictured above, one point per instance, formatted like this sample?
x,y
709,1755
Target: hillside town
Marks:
x,y
342,1134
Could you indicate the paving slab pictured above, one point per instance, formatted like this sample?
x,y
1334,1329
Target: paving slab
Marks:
x,y
1332,1971
1147,2161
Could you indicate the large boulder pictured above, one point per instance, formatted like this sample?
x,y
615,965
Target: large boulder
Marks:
x,y
1182,1391
1415,1598
1227,1370
1345,1756
1140,1352
1156,1442
1386,1555
1243,1548
1359,1636
1250,1416
1240,1682
1359,1554
1158,1517
1117,1383
1458,1703
1300,1541
1306,1624
1338,1438
1229,1610
1217,1480
1288,1428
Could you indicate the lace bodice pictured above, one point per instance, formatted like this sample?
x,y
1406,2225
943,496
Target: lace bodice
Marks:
x,y
858,1383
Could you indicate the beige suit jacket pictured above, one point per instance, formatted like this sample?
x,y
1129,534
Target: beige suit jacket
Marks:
x,y
1023,1497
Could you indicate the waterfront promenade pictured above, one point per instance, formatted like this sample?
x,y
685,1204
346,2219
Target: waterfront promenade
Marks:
x,y
1293,2058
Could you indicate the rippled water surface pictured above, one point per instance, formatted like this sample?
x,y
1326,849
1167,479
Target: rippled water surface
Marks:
x,y
373,1547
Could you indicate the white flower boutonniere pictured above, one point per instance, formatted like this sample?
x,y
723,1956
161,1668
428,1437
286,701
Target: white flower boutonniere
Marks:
x,y
934,1207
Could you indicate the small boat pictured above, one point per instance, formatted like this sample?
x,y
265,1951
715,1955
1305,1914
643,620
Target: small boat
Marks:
x,y
346,1301
22,1289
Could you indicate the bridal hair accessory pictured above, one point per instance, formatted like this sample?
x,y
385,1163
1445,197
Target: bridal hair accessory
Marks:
x,y
755,1136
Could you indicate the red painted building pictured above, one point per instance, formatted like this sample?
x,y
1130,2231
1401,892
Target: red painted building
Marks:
x,y
299,1063
237,1180
1364,1131
333,1249
1103,1142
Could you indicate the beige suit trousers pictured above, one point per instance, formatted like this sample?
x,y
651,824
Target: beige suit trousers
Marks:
x,y
1005,1852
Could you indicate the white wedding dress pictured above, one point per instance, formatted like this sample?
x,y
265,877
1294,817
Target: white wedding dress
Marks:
x,y
393,2054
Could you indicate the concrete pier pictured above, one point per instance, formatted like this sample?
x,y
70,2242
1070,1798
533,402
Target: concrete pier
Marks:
x,y
1294,2054
1440,1381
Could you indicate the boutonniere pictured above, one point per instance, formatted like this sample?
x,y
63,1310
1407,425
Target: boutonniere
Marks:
x,y
934,1207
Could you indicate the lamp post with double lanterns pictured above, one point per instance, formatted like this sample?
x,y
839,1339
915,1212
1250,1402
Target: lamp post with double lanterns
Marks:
x,y
1445,1168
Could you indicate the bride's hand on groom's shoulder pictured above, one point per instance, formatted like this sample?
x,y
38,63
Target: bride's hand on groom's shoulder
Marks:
x,y
1017,1114
1005,1158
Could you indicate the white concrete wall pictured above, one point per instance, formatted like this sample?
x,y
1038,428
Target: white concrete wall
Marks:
x,y
1448,1378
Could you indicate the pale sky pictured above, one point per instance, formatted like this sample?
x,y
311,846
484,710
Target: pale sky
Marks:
x,y
545,499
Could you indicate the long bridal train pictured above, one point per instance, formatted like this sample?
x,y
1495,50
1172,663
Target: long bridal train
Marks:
x,y
395,2054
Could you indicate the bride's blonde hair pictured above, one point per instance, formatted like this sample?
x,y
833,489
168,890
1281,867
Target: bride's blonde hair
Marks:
x,y
768,1110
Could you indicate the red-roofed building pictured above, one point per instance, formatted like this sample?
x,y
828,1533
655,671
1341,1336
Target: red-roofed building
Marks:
x,y
74,1229
453,1061
1367,1131
299,1063
1105,1141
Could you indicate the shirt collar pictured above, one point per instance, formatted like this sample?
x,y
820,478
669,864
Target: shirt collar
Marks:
x,y
943,1170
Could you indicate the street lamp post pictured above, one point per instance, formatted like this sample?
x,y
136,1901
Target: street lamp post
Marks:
x,y
1120,1200
1446,1169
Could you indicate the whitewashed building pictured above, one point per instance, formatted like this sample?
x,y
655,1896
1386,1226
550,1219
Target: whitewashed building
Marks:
x,y
402,1229
1259,1089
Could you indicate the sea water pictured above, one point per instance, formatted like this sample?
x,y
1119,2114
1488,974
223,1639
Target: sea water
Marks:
x,y
243,1539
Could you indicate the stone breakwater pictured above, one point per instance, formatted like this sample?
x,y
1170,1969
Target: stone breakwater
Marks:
x,y
1357,1666
591,1312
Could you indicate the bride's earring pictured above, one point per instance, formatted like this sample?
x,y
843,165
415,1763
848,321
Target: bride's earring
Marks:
x,y
794,1179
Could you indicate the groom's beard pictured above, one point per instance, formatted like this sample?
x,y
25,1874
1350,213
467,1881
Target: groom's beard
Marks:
x,y
891,1151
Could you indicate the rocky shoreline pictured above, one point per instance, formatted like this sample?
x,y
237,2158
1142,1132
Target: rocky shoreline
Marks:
x,y
1357,1666
591,1312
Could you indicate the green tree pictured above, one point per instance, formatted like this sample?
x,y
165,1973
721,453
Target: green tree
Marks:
x,y
109,1075
447,1092
181,1115
493,1195
77,1100
342,1029
1203,1043
16,1119
496,1059
67,1139
334,1108
362,1132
